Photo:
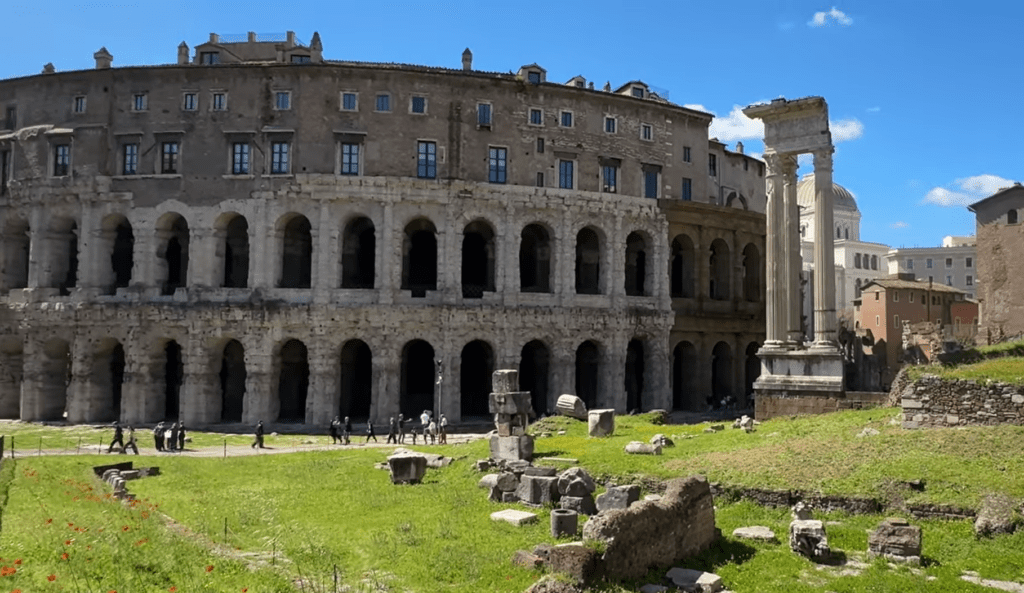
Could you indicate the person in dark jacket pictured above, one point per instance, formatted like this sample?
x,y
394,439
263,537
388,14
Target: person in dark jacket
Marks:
x,y
181,436
158,436
335,432
347,431
258,441
118,437
369,431
172,443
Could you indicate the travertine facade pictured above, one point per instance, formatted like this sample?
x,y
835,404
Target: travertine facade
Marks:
x,y
257,233
1000,233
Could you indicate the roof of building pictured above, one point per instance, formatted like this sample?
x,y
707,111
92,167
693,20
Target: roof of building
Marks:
x,y
1016,186
895,283
842,199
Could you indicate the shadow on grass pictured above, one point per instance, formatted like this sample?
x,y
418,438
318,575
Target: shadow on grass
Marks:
x,y
554,453
836,558
723,551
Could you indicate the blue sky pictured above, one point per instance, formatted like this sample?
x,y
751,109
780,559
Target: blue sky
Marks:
x,y
925,97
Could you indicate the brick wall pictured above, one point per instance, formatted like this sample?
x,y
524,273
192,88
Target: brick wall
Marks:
x,y
932,401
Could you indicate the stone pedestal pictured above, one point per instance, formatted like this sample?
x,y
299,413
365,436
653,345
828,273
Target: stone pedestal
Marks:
x,y
897,540
407,468
564,523
512,448
799,382
601,423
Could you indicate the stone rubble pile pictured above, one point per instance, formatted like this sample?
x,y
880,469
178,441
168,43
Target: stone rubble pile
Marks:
x,y
807,535
896,539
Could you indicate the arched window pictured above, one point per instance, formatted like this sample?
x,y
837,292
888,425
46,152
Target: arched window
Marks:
x,y
297,253
173,236
419,258
856,261
535,260
636,265
357,254
720,266
1011,217
477,260
683,272
588,262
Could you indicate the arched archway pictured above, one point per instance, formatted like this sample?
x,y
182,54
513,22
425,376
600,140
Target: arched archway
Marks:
x,y
356,380
684,378
588,367
751,273
683,267
174,374
419,258
173,240
417,379
293,381
475,378
477,260
297,253
534,363
358,254
109,373
55,376
232,382
15,253
234,237
721,372
535,259
634,375
588,262
636,265
117,240
64,255
720,267
752,368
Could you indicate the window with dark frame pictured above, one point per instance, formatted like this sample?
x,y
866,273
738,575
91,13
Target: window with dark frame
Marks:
x,y
419,105
279,158
497,164
687,186
301,59
169,158
536,117
970,281
349,158
240,158
533,77
713,165
426,160
139,102
969,263
565,174
610,178
220,101
282,100
189,102
609,125
349,101
686,154
5,167
652,175
540,179
79,104
209,58
483,115
646,132
61,159
540,145
638,92
130,159
383,102
566,119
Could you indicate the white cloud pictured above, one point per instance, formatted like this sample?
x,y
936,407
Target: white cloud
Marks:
x,y
736,126
820,19
966,190
899,225
846,129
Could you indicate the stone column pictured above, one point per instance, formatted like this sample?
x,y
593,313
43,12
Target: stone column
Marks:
x,y
824,253
39,398
611,378
94,269
144,257
387,380
142,393
774,260
260,395
10,385
324,369
199,396
789,290
388,275
261,248
562,367
657,391
85,400
202,249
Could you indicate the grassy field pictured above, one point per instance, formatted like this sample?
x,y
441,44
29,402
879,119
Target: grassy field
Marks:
x,y
294,522
1005,370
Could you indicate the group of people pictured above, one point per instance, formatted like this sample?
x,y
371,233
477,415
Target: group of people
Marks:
x,y
341,432
169,438
119,440
432,431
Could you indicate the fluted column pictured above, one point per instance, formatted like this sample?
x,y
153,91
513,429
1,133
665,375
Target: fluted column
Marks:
x,y
824,253
790,288
774,260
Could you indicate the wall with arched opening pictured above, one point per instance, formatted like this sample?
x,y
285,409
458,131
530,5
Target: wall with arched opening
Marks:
x,y
685,364
752,271
720,271
356,385
478,252
535,259
232,235
419,257
634,375
358,254
417,389
637,277
16,241
296,252
683,268
293,381
232,377
588,261
475,369
172,252
721,373
117,243
534,370
588,372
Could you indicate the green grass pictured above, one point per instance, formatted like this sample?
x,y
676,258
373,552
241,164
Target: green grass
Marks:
x,y
1004,370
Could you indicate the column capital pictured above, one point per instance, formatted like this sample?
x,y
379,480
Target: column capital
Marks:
x,y
823,158
788,164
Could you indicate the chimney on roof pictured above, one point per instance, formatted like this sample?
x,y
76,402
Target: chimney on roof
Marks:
x,y
739,147
317,48
214,38
103,59
607,87
467,60
291,38
48,68
183,53
252,37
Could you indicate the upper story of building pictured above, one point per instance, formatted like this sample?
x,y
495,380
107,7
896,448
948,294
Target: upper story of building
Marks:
x,y
1004,207
239,111
954,265
886,303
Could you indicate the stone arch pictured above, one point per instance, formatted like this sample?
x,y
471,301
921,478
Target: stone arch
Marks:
x,y
419,258
358,254
356,383
638,279
108,364
752,267
736,196
684,377
232,377
720,270
1011,216
296,251
535,253
418,373
16,238
64,255
293,381
11,373
683,267
54,379
588,372
752,369
534,372
478,250
634,374
232,234
117,244
588,261
174,378
172,251
477,364
721,372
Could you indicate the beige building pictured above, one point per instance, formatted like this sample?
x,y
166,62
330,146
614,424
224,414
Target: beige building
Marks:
x,y
256,232
953,264
1000,242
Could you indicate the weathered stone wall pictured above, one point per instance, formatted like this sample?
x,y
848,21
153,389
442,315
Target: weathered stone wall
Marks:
x,y
798,404
932,401
1000,243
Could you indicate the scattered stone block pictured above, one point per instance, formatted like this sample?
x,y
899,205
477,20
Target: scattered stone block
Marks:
x,y
695,581
483,465
131,474
564,523
571,406
583,505
802,511
527,559
659,416
149,471
1008,586
509,497
572,474
512,447
545,471
581,563
407,468
516,466
494,495
638,448
601,423
505,381
661,441
537,490
488,481
514,517
563,460
995,516
807,538
506,482
756,533
618,497
896,539
747,423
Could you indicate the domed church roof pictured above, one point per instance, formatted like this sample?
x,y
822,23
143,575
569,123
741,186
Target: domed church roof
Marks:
x,y
842,198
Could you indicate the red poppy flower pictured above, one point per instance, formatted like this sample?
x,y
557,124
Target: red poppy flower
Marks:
x,y
52,578
48,521
64,556
173,589
71,524
67,542
209,568
125,528
18,561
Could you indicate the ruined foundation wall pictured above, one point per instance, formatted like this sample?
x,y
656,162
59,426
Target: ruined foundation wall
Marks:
x,y
932,401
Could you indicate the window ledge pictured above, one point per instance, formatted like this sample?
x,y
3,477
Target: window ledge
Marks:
x,y
238,177
150,176
279,176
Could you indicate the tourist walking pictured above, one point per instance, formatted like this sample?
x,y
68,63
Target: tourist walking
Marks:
x,y
118,437
258,441
131,442
172,442
442,437
334,431
369,431
181,436
158,436
432,430
347,431
392,431
401,429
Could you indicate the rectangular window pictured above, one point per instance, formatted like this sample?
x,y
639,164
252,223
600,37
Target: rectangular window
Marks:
x,y
686,154
282,100
533,77
169,158
483,115
687,189
928,263
240,158
280,162
910,264
949,262
5,167
637,92
61,159
565,174
646,132
11,119
418,105
949,281
969,281
876,295
536,117
383,102
130,159
209,58
712,165
609,125
876,321
189,102
610,178
349,102
349,158
78,104
566,119
139,102
911,297
650,183
426,160
219,102
540,179
896,321
497,163
969,263
895,296
301,59
540,145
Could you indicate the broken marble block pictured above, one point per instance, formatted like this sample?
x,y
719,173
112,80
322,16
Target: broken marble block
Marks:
x,y
575,481
572,406
512,447
807,538
695,581
618,497
537,490
514,517
638,448
756,533
583,505
407,468
601,423
896,539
